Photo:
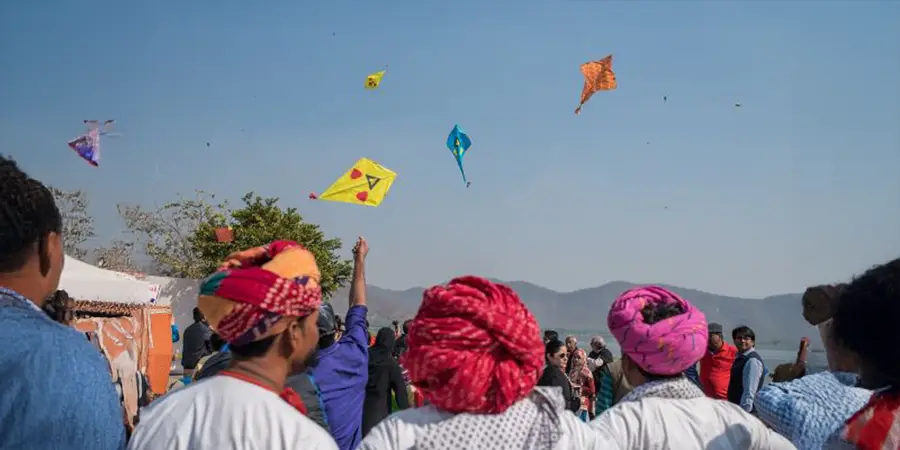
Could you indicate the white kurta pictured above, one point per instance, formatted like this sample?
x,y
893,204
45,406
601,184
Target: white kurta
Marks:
x,y
224,413
694,424
401,430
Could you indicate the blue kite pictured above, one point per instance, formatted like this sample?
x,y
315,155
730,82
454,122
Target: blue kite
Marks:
x,y
458,142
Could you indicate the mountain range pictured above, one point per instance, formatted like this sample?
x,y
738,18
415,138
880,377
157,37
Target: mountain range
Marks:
x,y
777,320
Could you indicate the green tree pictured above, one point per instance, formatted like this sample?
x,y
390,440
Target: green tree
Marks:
x,y
78,225
166,232
261,221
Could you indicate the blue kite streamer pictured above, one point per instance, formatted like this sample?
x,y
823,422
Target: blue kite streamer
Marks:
x,y
458,142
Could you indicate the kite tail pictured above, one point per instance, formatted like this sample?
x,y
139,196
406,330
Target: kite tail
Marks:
x,y
578,109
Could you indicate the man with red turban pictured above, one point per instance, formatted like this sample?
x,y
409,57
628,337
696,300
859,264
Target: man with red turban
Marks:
x,y
475,353
264,302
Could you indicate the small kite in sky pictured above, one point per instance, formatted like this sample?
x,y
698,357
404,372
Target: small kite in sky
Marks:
x,y
598,76
374,79
366,183
224,234
458,142
87,146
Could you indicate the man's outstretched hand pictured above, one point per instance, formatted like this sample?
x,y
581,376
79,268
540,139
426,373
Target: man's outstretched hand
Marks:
x,y
360,250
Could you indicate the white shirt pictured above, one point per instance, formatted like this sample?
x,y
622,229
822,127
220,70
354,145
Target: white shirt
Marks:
x,y
224,413
688,424
401,430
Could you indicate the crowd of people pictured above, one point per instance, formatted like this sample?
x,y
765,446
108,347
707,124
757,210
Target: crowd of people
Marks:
x,y
269,365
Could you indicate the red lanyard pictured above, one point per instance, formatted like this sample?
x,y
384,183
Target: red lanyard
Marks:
x,y
288,394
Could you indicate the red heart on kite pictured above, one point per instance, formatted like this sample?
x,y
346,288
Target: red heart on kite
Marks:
x,y
362,196
355,173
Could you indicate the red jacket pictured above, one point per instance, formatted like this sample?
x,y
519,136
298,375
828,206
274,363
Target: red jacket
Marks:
x,y
715,371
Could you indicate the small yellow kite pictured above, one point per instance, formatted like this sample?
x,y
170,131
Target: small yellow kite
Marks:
x,y
598,76
367,183
373,80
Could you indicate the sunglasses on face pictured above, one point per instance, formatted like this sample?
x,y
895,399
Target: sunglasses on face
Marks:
x,y
562,355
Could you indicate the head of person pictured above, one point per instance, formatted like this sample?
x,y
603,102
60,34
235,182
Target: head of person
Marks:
x,y
61,308
216,342
660,333
473,347
744,338
385,339
864,322
550,335
598,343
556,354
571,343
327,325
406,324
31,241
716,338
198,315
264,303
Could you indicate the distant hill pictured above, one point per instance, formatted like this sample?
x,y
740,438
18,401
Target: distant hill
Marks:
x,y
777,320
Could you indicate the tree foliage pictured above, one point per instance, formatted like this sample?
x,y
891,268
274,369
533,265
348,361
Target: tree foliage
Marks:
x,y
261,221
117,256
78,225
166,232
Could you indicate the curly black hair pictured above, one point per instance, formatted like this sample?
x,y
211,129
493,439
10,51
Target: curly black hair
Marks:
x,y
866,316
28,214
59,306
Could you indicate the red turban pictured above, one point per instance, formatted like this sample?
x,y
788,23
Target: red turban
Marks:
x,y
473,347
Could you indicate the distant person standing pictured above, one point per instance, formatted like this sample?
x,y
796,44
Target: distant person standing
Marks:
x,y
715,366
196,344
571,346
748,371
401,345
342,369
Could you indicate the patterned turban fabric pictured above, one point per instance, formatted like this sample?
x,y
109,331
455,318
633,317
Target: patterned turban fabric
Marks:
x,y
667,347
473,347
254,289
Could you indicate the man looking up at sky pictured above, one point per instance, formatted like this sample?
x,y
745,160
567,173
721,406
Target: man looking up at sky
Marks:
x,y
56,392
715,366
342,369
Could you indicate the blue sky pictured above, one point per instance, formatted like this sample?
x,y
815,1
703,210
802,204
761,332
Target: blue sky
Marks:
x,y
799,185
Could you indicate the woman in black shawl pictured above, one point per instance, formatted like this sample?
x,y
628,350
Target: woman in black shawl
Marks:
x,y
384,376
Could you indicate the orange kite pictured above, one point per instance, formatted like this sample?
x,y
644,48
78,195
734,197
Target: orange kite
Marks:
x,y
598,76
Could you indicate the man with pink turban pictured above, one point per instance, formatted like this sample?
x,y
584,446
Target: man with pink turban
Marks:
x,y
264,302
661,336
475,353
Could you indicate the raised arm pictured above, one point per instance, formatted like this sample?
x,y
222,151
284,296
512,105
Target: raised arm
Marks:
x,y
358,283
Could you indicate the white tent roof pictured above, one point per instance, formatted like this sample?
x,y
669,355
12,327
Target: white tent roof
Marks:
x,y
85,282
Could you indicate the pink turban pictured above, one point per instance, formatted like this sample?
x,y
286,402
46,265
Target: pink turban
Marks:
x,y
473,347
667,347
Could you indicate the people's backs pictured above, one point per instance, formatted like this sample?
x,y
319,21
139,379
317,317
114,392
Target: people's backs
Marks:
x,y
196,344
429,427
225,413
686,424
56,391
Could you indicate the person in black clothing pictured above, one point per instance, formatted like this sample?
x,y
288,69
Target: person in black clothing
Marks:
x,y
384,376
557,355
400,346
215,363
196,343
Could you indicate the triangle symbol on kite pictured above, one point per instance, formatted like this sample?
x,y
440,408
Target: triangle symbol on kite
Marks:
x,y
372,181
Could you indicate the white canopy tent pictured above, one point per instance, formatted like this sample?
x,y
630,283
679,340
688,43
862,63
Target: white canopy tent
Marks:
x,y
83,281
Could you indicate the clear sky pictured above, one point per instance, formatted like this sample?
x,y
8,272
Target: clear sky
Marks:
x,y
799,185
